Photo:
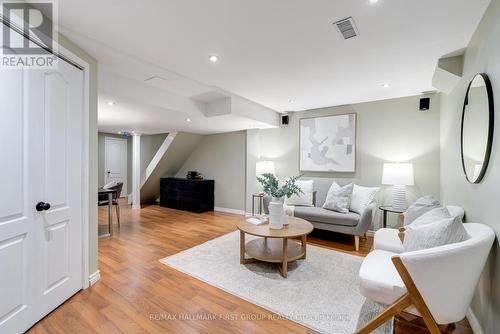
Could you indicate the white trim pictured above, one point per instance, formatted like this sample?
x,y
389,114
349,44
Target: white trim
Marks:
x,y
474,322
136,171
86,159
227,210
94,278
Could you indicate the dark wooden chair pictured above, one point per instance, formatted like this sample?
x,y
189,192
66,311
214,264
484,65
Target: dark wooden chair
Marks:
x,y
103,199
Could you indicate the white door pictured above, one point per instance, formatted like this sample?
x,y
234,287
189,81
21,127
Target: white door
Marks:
x,y
115,162
41,148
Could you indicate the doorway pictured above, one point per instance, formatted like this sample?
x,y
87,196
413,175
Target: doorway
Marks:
x,y
115,162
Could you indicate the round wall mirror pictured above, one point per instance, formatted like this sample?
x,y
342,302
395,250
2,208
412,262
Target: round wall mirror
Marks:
x,y
477,128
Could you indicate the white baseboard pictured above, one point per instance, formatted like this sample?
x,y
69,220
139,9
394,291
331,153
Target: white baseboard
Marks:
x,y
370,233
227,210
94,278
474,323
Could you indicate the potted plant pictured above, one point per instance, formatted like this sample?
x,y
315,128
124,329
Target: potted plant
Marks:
x,y
271,186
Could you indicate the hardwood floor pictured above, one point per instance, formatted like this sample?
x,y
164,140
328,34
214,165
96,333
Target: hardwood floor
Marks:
x,y
137,294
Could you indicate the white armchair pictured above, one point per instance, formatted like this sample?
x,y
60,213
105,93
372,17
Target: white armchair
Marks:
x,y
388,239
436,283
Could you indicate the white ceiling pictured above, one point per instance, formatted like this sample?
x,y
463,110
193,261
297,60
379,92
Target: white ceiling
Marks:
x,y
127,115
274,51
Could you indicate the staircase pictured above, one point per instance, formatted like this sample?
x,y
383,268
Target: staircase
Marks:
x,y
169,158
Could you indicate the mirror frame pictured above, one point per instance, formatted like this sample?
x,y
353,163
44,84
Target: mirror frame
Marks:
x,y
491,126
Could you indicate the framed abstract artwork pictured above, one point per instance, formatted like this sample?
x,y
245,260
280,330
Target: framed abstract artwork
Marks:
x,y
328,144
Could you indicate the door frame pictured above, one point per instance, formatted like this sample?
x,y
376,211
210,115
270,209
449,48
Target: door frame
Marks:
x,y
86,165
125,182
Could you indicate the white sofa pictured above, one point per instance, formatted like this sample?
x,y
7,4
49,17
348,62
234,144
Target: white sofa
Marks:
x,y
437,283
387,238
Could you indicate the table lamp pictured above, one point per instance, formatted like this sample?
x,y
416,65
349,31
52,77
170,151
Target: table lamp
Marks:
x,y
399,175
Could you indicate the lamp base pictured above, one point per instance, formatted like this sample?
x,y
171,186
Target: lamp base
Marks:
x,y
399,198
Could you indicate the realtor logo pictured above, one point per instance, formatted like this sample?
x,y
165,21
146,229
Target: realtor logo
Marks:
x,y
35,19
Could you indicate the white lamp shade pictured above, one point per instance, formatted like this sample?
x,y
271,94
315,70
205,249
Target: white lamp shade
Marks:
x,y
263,167
398,174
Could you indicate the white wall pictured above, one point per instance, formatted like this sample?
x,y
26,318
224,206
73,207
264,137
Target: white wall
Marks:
x,y
480,201
387,131
221,157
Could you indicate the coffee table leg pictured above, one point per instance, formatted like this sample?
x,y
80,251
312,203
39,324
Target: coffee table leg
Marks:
x,y
242,247
304,246
284,266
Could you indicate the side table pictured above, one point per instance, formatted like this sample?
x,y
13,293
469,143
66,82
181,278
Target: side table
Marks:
x,y
260,197
386,209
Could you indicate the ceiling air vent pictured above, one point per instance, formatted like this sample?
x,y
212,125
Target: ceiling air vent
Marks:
x,y
347,28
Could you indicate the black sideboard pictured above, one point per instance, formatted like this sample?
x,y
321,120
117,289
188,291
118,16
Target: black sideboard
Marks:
x,y
188,195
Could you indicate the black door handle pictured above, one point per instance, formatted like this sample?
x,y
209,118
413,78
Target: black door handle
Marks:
x,y
42,206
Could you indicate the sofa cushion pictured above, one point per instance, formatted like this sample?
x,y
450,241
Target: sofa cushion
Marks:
x,y
379,279
321,186
321,215
338,198
388,239
362,197
305,197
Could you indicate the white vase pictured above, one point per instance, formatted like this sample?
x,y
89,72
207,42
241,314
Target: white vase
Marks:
x,y
276,215
284,218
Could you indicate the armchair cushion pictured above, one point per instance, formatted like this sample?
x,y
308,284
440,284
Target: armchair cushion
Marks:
x,y
419,207
431,216
379,279
388,239
443,232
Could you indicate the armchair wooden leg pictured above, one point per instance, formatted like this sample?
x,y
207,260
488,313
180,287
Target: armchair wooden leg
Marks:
x,y
398,306
416,297
356,242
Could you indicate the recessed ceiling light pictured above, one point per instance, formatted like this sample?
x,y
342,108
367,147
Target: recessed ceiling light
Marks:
x,y
291,101
188,119
213,58
373,1
110,103
386,85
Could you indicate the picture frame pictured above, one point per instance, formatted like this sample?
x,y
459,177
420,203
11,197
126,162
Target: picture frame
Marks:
x,y
328,143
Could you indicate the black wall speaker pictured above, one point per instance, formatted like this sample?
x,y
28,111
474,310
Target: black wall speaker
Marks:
x,y
284,120
425,103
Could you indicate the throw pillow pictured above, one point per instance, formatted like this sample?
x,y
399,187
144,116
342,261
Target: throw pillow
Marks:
x,y
338,198
362,197
306,197
443,232
421,206
432,216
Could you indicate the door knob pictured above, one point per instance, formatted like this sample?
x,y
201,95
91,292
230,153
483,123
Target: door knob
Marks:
x,y
42,206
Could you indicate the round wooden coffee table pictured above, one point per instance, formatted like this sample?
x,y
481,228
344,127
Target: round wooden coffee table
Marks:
x,y
274,246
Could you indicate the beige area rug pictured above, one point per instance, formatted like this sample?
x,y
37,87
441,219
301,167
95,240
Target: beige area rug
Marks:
x,y
321,292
